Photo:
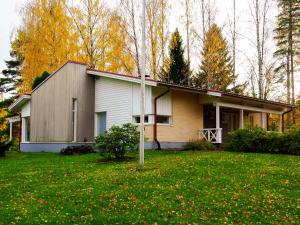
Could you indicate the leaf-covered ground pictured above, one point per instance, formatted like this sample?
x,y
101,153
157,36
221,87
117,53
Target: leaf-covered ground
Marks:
x,y
172,188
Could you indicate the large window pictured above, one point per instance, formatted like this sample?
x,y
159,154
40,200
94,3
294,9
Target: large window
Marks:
x,y
74,118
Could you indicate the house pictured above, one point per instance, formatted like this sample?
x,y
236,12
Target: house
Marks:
x,y
76,103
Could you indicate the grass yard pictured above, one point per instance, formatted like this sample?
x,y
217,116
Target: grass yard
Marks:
x,y
173,188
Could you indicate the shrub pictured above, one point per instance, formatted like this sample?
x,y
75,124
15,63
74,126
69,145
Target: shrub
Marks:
x,y
71,150
14,145
4,147
117,141
198,145
259,140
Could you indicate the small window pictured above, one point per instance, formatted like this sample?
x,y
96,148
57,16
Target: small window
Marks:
x,y
74,118
137,119
163,119
27,129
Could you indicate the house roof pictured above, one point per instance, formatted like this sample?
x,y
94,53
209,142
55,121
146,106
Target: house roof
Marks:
x,y
225,94
119,76
22,100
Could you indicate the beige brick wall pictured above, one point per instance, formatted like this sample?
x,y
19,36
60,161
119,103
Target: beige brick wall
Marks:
x,y
256,119
187,119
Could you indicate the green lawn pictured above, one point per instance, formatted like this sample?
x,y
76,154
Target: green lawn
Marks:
x,y
172,188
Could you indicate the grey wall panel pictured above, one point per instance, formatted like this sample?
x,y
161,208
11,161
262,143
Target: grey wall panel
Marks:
x,y
51,106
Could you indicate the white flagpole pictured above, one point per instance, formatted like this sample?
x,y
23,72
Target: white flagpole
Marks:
x,y
143,71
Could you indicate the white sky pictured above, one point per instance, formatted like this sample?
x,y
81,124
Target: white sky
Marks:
x,y
10,19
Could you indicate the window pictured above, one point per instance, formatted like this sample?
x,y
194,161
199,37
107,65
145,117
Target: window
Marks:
x,y
163,119
101,123
137,119
74,118
27,129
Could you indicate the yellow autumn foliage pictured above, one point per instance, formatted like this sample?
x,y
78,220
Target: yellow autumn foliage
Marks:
x,y
46,38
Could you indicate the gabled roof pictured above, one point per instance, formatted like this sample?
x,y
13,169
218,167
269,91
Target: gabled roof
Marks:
x,y
22,100
119,76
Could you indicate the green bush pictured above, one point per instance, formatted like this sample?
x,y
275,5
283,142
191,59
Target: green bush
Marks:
x,y
14,145
77,150
4,147
117,141
259,140
198,145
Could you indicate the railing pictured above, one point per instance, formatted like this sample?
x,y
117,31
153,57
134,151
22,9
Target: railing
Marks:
x,y
213,135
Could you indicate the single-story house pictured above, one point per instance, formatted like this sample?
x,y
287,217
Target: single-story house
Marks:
x,y
76,103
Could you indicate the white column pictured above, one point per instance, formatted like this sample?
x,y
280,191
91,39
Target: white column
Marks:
x,y
241,118
219,133
217,116
10,131
280,123
263,120
23,130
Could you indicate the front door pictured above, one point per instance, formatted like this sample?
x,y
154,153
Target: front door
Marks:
x,y
229,123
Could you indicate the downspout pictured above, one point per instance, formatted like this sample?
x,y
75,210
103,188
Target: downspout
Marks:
x,y
286,112
155,117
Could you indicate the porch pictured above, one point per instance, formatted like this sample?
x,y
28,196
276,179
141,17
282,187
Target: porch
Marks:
x,y
220,118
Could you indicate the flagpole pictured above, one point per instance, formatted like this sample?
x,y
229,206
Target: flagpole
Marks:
x,y
142,96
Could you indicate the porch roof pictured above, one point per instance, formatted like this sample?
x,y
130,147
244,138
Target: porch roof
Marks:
x,y
236,99
19,102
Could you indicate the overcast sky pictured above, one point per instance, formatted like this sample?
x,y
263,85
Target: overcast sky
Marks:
x,y
10,19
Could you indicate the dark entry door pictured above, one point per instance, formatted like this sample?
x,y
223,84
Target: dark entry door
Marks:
x,y
229,122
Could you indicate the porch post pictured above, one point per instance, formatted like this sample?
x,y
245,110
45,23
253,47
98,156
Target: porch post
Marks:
x,y
219,132
217,116
280,123
10,130
262,120
241,118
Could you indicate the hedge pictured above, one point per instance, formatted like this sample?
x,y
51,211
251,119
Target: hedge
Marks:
x,y
259,140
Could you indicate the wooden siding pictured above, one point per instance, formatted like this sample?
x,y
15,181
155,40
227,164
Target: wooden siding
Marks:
x,y
187,119
51,106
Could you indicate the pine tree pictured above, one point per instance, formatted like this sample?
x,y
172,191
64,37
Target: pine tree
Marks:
x,y
216,70
287,36
177,70
12,76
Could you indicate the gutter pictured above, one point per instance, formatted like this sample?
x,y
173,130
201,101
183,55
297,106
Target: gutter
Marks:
x,y
155,117
286,112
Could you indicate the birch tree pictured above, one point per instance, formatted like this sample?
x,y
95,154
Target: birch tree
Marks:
x,y
259,12
91,19
129,14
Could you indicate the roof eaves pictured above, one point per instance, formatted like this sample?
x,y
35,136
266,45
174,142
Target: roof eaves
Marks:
x,y
19,101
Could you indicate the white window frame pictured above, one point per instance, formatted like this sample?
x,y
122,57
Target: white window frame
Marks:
x,y
146,123
24,137
74,118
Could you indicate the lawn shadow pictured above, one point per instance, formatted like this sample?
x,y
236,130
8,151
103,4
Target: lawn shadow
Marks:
x,y
115,160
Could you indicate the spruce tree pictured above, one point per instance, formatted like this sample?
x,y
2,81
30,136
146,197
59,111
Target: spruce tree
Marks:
x,y
287,35
11,76
177,70
216,69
